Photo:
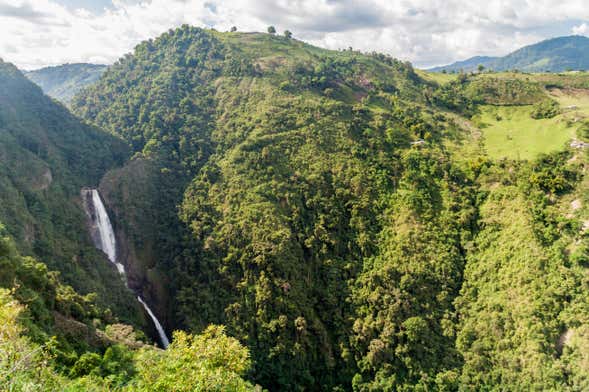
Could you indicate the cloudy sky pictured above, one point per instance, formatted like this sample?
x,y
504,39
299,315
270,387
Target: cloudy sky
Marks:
x,y
36,33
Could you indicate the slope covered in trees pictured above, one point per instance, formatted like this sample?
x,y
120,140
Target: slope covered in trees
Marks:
x,y
320,205
300,145
46,156
55,337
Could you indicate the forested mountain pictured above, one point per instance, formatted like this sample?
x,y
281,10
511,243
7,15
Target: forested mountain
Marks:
x,y
299,146
307,219
339,214
552,55
62,82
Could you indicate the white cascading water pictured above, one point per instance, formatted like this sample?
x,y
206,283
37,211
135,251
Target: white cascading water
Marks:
x,y
156,322
106,234
105,240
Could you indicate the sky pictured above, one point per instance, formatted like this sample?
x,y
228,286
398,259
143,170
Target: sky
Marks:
x,y
38,33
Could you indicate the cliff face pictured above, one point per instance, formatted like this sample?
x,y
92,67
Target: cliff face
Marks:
x,y
129,195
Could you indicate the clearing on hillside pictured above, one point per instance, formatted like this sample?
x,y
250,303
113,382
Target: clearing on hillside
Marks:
x,y
511,132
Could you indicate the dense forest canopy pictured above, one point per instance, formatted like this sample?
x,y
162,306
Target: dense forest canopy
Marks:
x,y
343,221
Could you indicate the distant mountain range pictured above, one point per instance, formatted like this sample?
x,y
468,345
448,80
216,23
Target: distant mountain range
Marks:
x,y
62,82
552,55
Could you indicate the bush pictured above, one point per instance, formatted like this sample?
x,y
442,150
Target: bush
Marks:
x,y
88,363
208,362
545,109
583,131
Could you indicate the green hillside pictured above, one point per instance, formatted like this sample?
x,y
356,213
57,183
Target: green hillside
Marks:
x,y
321,205
55,337
46,156
552,55
62,82
281,131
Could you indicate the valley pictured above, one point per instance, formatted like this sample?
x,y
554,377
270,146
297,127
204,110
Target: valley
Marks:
x,y
277,216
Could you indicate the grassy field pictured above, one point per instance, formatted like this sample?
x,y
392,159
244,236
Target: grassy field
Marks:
x,y
438,77
505,128
510,132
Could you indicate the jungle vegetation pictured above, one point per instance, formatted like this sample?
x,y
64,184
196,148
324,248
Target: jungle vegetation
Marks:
x,y
308,220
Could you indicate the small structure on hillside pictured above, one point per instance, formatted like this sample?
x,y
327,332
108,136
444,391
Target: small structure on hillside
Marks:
x,y
418,142
579,144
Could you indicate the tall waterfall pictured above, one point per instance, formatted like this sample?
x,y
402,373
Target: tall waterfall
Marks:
x,y
106,236
104,239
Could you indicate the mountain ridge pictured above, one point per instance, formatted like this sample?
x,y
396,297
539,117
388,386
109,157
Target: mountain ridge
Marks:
x,y
64,81
551,55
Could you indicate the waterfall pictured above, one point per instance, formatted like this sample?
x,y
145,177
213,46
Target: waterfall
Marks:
x,y
106,236
104,239
160,330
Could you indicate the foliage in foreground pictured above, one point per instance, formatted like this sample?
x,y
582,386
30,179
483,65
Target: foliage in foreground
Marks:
x,y
208,362
61,341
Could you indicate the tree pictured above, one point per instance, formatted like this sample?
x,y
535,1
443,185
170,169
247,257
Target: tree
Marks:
x,y
481,68
547,108
233,29
271,30
287,34
211,361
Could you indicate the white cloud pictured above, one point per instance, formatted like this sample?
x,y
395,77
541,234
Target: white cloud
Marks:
x,y
581,29
35,33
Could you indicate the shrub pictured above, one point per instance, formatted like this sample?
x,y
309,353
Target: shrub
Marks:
x,y
545,109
